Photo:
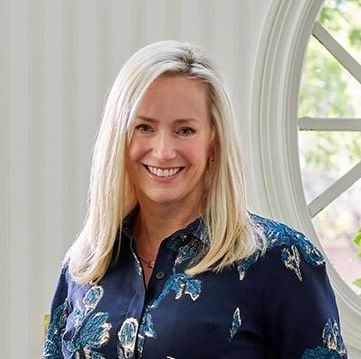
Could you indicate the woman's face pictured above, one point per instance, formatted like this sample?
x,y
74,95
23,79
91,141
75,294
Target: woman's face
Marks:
x,y
169,149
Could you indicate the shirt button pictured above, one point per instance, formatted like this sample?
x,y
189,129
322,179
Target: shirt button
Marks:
x,y
160,275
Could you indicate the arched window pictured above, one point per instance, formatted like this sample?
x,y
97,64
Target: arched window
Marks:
x,y
276,131
330,135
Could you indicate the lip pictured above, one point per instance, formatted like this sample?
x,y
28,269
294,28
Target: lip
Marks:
x,y
169,169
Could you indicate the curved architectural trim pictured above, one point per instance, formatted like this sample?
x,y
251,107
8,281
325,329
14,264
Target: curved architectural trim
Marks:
x,y
273,131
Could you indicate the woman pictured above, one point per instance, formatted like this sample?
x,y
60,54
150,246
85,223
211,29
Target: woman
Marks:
x,y
170,264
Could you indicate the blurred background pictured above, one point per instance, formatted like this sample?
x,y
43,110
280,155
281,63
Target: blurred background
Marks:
x,y
330,92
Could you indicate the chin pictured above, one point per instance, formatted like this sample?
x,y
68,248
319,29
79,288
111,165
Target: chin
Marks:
x,y
168,198
165,200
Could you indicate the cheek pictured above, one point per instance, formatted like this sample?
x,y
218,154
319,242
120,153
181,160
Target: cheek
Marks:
x,y
135,151
199,158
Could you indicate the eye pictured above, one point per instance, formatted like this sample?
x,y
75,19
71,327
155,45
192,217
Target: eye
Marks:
x,y
143,128
186,131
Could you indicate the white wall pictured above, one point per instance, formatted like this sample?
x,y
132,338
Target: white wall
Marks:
x,y
57,59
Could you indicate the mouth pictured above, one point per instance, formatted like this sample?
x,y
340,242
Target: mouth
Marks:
x,y
163,172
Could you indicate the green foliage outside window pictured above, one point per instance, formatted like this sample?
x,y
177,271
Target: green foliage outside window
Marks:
x,y
357,242
328,91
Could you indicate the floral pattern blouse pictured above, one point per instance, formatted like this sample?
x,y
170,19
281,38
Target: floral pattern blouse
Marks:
x,y
277,305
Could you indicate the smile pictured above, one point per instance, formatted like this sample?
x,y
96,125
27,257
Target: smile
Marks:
x,y
163,172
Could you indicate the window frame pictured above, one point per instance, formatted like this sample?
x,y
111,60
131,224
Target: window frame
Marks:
x,y
273,135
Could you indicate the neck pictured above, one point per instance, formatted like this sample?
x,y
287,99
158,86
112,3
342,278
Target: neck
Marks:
x,y
151,228
156,221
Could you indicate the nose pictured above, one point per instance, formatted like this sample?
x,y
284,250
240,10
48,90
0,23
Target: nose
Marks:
x,y
164,147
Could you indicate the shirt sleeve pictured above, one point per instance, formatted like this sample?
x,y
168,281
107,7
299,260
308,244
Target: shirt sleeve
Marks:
x,y
300,311
58,317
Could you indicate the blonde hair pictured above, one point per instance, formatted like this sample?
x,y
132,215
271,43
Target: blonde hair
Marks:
x,y
232,235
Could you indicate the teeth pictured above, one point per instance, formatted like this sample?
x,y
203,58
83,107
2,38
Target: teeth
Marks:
x,y
163,172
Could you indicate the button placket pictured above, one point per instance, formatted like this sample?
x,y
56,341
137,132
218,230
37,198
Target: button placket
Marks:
x,y
160,275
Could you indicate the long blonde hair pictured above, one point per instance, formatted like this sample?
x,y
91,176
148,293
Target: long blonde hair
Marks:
x,y
232,235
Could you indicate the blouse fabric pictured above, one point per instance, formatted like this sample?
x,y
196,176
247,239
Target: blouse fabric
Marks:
x,y
277,305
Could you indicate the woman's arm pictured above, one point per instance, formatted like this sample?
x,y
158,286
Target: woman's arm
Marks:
x,y
301,314
58,316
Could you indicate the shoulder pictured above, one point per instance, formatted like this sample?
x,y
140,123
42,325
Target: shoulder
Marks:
x,y
281,237
66,286
284,247
294,276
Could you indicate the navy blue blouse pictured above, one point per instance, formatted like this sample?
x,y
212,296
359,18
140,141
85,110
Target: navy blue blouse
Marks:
x,y
277,305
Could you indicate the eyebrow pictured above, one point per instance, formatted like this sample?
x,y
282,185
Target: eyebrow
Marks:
x,y
178,120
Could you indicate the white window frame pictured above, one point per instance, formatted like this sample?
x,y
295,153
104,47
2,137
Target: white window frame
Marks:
x,y
273,129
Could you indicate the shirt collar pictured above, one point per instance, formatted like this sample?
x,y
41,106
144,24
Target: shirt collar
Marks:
x,y
197,229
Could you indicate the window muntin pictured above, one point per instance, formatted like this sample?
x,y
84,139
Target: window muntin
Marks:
x,y
330,158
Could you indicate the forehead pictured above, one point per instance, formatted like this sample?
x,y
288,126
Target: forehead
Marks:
x,y
178,96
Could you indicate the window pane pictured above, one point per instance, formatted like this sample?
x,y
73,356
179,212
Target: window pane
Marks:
x,y
325,157
329,91
341,18
336,225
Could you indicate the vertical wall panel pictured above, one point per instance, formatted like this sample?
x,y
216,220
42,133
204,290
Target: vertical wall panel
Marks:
x,y
19,177
241,71
224,39
154,22
104,10
36,174
57,60
172,18
207,23
138,18
121,34
4,176
86,97
241,47
54,138
70,148
189,21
